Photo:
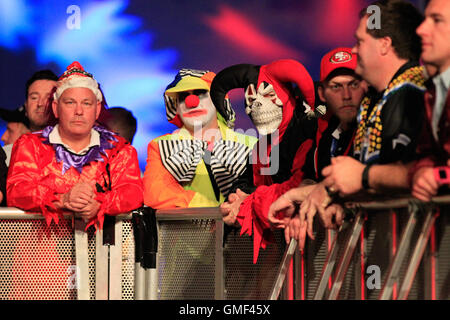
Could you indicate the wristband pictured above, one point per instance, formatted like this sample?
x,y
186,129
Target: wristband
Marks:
x,y
365,177
442,174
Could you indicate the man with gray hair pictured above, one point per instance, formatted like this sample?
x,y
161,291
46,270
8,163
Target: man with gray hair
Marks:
x,y
75,167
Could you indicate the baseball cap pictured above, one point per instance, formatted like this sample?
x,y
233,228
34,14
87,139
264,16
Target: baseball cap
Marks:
x,y
341,57
17,115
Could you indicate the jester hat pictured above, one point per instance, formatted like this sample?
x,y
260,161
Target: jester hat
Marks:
x,y
279,74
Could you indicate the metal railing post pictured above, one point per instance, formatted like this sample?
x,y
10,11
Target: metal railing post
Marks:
x,y
417,255
82,259
394,269
349,249
284,268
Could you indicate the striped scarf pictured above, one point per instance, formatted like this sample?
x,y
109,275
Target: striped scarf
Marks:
x,y
368,138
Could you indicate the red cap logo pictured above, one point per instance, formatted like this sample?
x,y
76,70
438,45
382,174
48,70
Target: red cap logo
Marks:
x,y
340,57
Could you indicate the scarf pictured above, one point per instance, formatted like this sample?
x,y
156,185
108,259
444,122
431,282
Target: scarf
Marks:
x,y
368,137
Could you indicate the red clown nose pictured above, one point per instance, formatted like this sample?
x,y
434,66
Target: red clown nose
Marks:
x,y
192,101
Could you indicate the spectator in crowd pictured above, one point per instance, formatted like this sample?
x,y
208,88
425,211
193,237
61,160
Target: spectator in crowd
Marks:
x,y
37,92
286,123
122,122
3,175
391,115
16,124
196,165
342,91
433,171
74,167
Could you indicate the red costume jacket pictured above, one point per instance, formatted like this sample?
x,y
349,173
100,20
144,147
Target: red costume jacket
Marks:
x,y
36,179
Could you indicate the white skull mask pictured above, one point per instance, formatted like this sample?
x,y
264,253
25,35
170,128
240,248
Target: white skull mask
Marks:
x,y
264,107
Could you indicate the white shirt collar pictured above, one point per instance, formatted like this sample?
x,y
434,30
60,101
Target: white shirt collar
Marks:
x,y
442,80
337,132
55,138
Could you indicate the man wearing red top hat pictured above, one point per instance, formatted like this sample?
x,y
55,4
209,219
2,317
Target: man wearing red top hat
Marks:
x,y
342,91
75,166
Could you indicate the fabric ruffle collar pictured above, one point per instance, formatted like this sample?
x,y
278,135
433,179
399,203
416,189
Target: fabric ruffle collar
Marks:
x,y
70,159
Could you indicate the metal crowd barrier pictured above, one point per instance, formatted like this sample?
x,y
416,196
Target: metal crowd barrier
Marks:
x,y
63,261
390,249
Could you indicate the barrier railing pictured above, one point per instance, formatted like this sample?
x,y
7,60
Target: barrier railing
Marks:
x,y
403,253
64,261
390,249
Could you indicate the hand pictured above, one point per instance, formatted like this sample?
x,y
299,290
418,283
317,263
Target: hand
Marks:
x,y
297,230
344,175
89,211
333,210
316,201
284,207
424,185
79,196
230,209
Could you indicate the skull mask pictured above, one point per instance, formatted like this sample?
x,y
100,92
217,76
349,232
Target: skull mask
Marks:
x,y
264,107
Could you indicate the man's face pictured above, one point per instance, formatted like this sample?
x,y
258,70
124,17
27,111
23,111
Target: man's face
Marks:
x,y
366,48
13,132
196,116
435,34
37,102
76,110
343,95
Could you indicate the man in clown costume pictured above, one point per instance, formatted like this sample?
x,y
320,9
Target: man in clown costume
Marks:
x,y
284,118
196,165
75,166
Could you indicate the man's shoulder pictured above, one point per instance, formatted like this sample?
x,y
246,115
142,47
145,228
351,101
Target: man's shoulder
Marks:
x,y
246,139
118,143
31,137
412,78
407,90
166,136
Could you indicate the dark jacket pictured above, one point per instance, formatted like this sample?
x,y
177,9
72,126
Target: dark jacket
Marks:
x,y
431,152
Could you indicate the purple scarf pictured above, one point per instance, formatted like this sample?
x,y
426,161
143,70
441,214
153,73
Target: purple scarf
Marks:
x,y
70,159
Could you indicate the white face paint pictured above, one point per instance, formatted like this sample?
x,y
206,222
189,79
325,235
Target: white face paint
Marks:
x,y
264,107
199,116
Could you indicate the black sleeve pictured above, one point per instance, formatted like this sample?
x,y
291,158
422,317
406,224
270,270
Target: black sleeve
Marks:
x,y
402,124
3,175
245,180
309,170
